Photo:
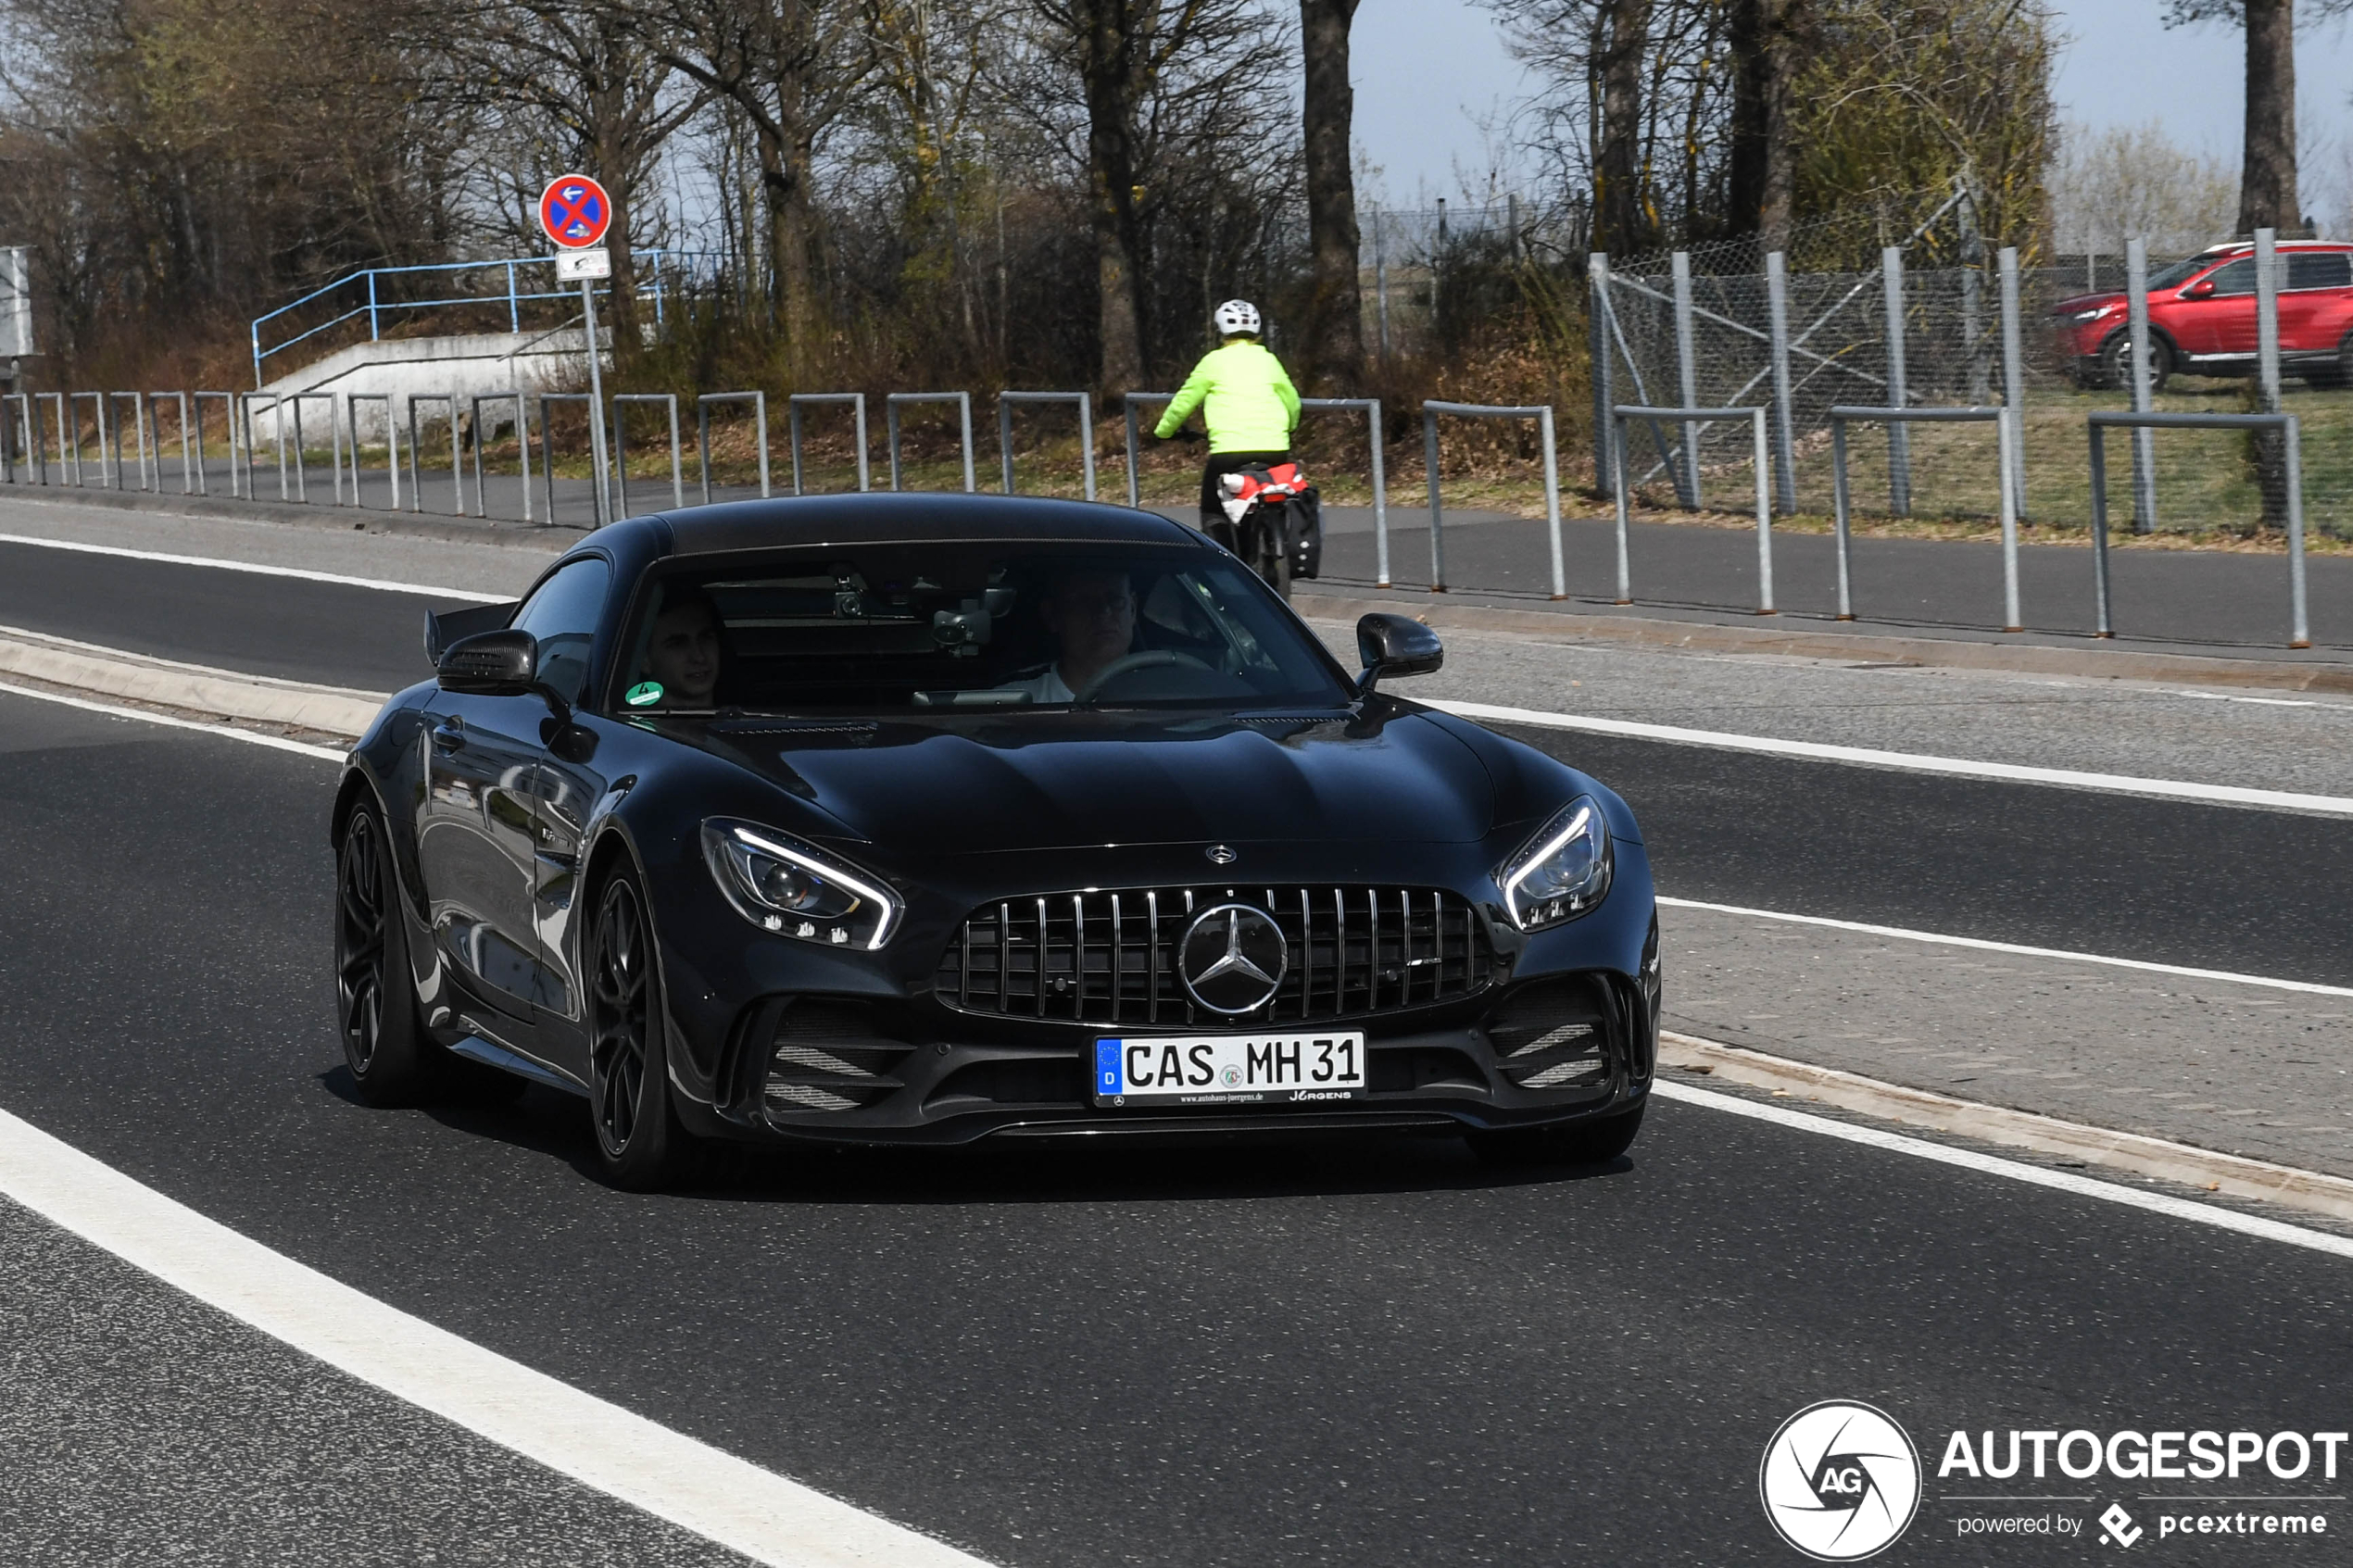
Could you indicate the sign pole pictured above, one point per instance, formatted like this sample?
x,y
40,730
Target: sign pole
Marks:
x,y
574,212
596,403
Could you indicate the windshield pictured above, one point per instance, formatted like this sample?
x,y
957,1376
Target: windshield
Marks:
x,y
2180,273
929,626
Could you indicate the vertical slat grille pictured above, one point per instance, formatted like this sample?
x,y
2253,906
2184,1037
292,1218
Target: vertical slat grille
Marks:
x,y
1088,957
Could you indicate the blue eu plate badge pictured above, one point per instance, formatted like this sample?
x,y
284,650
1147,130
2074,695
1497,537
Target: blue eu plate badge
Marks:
x,y
1107,1067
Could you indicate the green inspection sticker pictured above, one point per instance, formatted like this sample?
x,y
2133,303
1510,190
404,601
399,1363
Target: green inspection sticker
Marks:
x,y
645,694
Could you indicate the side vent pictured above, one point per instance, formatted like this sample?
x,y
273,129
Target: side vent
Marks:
x,y
1554,1034
827,1057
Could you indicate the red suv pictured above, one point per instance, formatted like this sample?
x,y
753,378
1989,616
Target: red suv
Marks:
x,y
2202,318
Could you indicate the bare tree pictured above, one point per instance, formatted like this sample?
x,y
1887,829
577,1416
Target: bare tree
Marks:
x,y
606,100
1161,84
792,68
1767,37
1336,310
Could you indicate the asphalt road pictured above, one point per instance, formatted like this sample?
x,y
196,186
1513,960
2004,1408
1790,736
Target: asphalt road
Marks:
x,y
290,628
1381,1353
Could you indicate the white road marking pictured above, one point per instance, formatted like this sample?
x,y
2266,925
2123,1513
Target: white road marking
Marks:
x,y
2259,701
2016,1170
255,737
694,1485
1908,762
2225,976
378,584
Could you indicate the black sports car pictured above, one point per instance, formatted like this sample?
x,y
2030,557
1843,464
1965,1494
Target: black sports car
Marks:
x,y
915,818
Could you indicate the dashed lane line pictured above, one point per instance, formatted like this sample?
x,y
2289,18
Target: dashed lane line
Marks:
x,y
729,1501
1909,762
256,568
1900,934
2016,1170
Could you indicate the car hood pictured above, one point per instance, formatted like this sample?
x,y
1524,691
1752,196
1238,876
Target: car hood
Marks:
x,y
973,786
2080,302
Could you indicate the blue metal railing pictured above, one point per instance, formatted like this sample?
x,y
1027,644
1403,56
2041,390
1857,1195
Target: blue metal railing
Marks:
x,y
651,265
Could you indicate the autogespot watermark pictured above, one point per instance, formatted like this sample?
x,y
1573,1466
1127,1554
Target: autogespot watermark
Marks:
x,y
1841,1481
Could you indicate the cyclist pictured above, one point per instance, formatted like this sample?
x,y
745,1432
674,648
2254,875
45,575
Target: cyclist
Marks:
x,y
1246,400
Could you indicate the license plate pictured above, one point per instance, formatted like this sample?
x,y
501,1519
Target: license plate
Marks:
x,y
1229,1068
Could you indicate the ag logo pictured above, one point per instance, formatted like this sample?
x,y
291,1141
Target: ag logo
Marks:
x,y
1840,1481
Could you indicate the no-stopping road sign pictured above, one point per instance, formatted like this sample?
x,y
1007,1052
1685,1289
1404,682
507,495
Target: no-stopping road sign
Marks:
x,y
574,211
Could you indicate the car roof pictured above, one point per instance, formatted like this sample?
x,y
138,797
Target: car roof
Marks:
x,y
2246,247
786,522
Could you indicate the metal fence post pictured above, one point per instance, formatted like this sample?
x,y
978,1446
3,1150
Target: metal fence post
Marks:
x,y
2137,275
759,401
2267,341
1437,511
1618,490
1784,419
857,400
2006,432
1839,516
2302,630
2014,379
1764,522
668,400
2101,625
1380,499
1899,438
1553,501
1605,393
1687,369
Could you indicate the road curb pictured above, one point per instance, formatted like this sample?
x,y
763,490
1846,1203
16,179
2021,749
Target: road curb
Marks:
x,y
193,688
547,538
2030,658
2230,1174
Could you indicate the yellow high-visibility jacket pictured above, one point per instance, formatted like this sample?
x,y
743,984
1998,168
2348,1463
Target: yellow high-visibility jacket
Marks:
x,y
1246,400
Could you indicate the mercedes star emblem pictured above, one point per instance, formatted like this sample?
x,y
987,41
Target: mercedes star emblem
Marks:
x,y
1221,854
1232,958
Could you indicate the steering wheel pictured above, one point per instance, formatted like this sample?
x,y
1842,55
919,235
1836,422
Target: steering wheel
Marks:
x,y
1148,659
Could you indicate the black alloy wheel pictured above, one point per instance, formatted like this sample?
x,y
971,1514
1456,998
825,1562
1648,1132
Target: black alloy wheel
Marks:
x,y
2116,362
640,1146
1578,1143
383,1041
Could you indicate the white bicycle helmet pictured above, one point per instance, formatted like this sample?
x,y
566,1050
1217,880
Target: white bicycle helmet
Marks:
x,y
1236,315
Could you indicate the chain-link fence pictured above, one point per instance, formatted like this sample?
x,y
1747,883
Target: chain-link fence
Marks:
x,y
1672,332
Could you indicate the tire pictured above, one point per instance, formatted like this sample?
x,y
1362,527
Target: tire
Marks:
x,y
1578,1143
640,1145
2116,362
384,1043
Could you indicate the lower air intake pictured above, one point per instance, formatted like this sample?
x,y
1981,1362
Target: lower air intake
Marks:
x,y
827,1057
1554,1035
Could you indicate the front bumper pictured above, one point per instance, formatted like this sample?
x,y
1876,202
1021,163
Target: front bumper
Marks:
x,y
1540,1050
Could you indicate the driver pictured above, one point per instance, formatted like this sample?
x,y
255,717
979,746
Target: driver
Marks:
x,y
1092,612
683,653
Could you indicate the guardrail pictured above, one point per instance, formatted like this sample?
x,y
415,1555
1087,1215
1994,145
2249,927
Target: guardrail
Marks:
x,y
621,447
1620,414
1542,414
2300,634
2006,445
759,401
373,300
1005,401
857,401
963,402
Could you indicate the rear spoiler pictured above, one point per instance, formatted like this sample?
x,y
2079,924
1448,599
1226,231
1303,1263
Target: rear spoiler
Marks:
x,y
449,625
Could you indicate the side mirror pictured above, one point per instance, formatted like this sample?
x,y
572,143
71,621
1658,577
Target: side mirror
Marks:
x,y
1395,645
501,663
2202,289
446,626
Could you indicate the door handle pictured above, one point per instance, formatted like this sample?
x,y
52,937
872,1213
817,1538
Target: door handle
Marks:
x,y
449,735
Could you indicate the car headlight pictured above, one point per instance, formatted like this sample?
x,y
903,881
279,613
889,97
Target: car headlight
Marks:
x,y
1563,871
2094,314
782,886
